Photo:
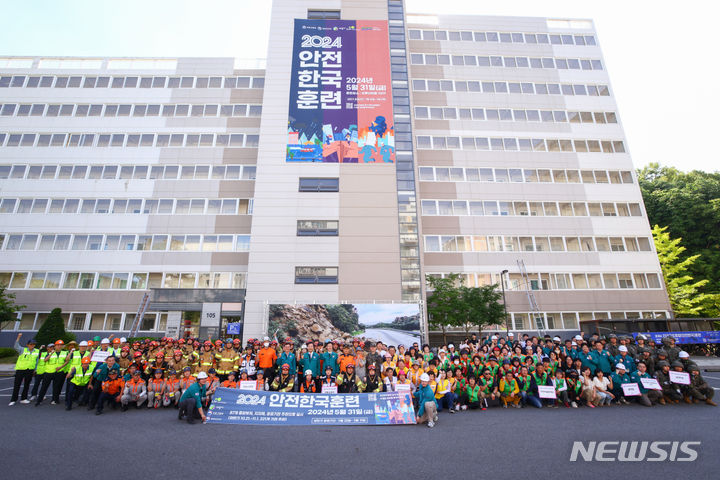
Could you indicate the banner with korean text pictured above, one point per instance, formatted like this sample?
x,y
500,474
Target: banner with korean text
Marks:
x,y
340,93
278,408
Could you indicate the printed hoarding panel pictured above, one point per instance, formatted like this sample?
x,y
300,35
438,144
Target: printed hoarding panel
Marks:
x,y
391,323
340,93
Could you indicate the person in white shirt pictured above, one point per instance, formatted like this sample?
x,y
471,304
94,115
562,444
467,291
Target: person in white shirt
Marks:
x,y
603,385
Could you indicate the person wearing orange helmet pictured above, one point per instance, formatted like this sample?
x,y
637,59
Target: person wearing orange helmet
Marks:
x,y
135,391
115,348
177,362
79,377
206,359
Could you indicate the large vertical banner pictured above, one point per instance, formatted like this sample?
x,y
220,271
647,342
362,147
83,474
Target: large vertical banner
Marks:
x,y
340,93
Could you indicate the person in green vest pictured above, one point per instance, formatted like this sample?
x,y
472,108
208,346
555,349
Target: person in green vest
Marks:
x,y
75,357
488,388
79,376
24,367
40,370
49,364
471,396
62,361
509,391
561,389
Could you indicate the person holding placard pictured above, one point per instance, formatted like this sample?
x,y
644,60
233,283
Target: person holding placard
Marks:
x,y
618,379
671,391
699,390
648,397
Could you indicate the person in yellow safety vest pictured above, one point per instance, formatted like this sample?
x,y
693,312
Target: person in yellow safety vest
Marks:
x,y
156,389
226,361
348,382
54,363
206,360
285,381
24,366
415,372
79,377
172,389
509,391
41,370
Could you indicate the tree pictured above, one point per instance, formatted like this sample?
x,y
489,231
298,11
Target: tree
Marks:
x,y
688,204
444,304
482,306
8,307
53,329
683,290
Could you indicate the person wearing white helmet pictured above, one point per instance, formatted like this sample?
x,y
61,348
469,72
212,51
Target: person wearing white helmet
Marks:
x,y
427,405
618,379
626,359
191,401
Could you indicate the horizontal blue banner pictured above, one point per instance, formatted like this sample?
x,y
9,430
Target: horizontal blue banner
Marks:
x,y
279,408
685,337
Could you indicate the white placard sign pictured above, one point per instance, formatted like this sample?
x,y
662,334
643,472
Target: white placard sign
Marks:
x,y
651,383
329,389
248,385
631,389
683,378
172,328
100,356
546,391
403,387
210,316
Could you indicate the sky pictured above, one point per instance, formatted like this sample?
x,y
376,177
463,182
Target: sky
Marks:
x,y
660,55
371,313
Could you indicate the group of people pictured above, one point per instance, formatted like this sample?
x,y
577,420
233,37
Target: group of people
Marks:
x,y
477,374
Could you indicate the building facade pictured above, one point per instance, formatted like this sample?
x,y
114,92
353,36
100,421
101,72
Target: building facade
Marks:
x,y
169,177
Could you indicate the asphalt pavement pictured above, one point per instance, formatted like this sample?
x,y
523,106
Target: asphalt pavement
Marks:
x,y
391,337
497,443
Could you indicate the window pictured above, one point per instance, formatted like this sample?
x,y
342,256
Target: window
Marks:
x,y
319,185
316,275
317,228
323,14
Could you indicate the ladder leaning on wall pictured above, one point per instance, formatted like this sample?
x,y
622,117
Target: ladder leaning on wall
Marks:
x,y
140,315
537,316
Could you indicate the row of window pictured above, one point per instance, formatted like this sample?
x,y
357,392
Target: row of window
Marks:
x,y
510,115
507,62
316,275
129,110
128,140
149,206
519,175
503,37
565,281
519,144
142,242
121,280
79,321
569,320
318,228
476,243
527,88
533,209
106,81
127,172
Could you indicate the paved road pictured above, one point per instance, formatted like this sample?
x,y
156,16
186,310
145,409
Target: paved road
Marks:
x,y
502,444
391,337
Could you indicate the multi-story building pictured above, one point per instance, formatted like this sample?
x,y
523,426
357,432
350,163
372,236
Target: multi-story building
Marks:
x,y
171,177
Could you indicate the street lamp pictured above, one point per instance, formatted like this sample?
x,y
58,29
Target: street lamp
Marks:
x,y
502,284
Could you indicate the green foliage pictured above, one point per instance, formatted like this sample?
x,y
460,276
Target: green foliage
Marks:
x,y
444,302
7,352
8,307
482,306
344,317
688,204
52,329
683,291
409,323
